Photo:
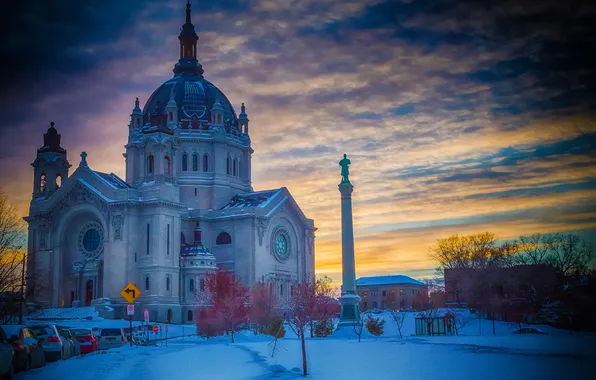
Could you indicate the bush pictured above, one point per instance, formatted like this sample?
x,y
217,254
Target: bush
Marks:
x,y
323,328
374,325
275,328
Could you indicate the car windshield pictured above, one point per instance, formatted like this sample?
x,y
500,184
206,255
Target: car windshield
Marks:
x,y
111,332
81,331
42,330
11,330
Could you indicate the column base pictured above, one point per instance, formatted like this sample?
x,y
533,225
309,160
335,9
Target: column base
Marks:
x,y
350,310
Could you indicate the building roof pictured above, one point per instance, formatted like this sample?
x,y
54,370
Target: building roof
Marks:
x,y
194,250
254,199
112,179
387,280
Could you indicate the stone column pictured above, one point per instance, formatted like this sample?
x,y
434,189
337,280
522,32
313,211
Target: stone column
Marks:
x,y
349,298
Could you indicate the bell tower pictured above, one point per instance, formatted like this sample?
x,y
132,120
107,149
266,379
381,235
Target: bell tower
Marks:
x,y
50,167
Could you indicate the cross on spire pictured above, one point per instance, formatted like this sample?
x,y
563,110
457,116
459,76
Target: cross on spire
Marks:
x,y
84,159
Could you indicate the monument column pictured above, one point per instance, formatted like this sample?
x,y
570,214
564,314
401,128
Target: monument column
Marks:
x,y
349,298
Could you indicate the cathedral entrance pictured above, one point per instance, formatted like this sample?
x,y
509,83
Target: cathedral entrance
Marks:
x,y
88,292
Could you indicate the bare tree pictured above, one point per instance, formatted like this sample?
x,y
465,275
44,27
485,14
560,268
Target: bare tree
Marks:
x,y
13,237
568,253
300,314
399,318
229,298
359,326
471,251
534,249
264,306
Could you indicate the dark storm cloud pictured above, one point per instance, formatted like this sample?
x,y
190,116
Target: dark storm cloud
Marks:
x,y
550,41
47,37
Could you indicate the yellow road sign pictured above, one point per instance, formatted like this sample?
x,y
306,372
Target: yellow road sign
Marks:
x,y
130,292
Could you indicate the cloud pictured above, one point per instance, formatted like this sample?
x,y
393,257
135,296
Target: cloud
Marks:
x,y
457,116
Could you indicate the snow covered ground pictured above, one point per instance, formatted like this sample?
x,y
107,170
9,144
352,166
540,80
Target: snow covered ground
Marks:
x,y
466,356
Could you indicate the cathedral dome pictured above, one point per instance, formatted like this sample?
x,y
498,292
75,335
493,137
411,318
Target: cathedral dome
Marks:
x,y
188,98
194,96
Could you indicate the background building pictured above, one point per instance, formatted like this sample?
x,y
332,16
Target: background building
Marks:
x,y
505,293
392,292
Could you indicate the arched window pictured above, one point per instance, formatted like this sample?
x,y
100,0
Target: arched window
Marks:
x,y
184,162
150,164
168,167
195,162
170,115
228,164
182,239
191,285
42,182
205,163
223,238
240,169
168,283
147,283
58,181
189,316
202,285
235,168
138,122
219,119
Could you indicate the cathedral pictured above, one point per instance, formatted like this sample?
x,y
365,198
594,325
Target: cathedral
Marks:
x,y
186,207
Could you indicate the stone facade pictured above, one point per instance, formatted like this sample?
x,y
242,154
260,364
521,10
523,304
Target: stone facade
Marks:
x,y
186,207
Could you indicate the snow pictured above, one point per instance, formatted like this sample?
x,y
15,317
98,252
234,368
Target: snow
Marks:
x,y
387,280
474,353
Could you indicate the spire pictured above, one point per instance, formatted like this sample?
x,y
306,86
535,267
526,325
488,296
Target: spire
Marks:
x,y
188,12
188,38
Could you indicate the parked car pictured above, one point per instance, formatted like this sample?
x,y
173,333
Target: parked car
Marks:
x,y
6,357
529,330
87,341
56,346
72,338
111,338
27,350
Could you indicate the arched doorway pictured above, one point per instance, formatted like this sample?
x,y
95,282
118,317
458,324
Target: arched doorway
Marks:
x,y
88,292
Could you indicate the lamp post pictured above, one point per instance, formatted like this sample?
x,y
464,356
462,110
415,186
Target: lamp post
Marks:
x,y
79,267
22,296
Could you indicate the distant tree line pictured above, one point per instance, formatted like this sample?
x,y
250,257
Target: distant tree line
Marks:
x,y
558,290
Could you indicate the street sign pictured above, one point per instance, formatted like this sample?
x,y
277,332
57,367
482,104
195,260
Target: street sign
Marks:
x,y
155,329
130,292
146,315
130,309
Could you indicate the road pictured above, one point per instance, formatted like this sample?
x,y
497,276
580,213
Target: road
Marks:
x,y
182,359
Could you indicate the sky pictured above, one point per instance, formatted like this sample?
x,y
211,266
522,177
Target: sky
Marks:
x,y
459,116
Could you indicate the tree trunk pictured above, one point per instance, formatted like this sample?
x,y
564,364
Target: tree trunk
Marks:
x,y
232,332
304,371
494,331
311,325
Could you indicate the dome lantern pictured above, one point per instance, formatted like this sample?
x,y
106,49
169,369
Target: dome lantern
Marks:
x,y
243,120
188,38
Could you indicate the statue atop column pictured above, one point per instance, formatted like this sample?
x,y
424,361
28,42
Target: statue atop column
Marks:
x,y
345,170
